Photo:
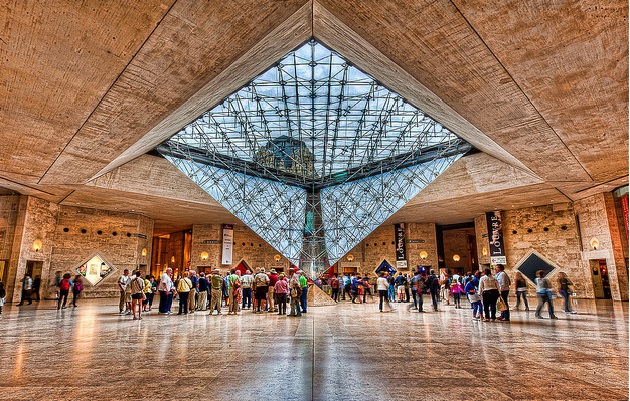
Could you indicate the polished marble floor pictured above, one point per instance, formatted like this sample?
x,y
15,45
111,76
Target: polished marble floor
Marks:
x,y
343,352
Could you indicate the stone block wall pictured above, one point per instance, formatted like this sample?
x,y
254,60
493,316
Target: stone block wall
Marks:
x,y
110,234
456,243
598,219
423,232
9,205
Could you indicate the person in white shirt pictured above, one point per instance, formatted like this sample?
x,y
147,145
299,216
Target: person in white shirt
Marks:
x,y
504,289
123,282
165,289
489,289
246,282
382,288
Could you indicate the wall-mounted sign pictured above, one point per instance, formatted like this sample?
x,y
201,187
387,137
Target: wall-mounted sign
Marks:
x,y
228,237
211,241
401,264
495,238
415,241
140,236
401,252
95,269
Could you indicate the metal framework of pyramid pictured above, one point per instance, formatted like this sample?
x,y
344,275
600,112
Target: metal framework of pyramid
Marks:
x,y
313,155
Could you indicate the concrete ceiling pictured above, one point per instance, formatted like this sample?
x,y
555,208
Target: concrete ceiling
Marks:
x,y
87,89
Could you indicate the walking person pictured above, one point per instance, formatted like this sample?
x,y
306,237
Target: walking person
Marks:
x,y
433,285
136,286
520,286
489,289
247,280
544,290
37,283
564,286
504,289
64,288
77,288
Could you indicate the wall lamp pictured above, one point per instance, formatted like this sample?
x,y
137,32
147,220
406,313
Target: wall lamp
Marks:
x,y
37,245
594,243
204,255
456,258
423,255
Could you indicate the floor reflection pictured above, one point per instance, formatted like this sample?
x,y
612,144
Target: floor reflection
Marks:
x,y
344,352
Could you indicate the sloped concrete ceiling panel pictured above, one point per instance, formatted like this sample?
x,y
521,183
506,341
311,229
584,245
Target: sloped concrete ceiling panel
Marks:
x,y
56,64
571,59
433,42
192,44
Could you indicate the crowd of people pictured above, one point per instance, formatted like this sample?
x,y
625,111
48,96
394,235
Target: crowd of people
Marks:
x,y
270,292
261,292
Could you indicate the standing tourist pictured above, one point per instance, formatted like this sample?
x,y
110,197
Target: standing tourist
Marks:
x,y
456,290
304,293
281,289
64,288
520,285
504,288
334,285
261,281
564,285
489,289
234,285
391,287
37,283
271,298
382,286
356,283
247,281
216,292
3,299
296,289
347,286
192,296
184,288
27,287
137,293
166,292
77,287
474,298
55,283
202,302
123,282
543,290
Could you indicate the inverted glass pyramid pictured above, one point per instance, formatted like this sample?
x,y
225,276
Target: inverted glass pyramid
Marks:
x,y
313,155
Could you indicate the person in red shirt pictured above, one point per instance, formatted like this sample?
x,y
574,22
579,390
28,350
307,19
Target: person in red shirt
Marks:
x,y
273,279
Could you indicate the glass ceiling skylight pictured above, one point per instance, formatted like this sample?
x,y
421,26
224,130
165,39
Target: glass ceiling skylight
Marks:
x,y
313,122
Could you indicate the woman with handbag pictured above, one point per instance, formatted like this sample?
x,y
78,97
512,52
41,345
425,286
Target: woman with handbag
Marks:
x,y
545,295
489,289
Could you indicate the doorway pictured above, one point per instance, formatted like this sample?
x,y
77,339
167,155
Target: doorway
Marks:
x,y
601,283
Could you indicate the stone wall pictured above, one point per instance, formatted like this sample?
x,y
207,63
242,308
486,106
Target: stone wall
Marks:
x,y
9,205
597,217
456,243
80,233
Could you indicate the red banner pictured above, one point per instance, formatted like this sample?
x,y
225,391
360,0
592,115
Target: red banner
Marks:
x,y
624,208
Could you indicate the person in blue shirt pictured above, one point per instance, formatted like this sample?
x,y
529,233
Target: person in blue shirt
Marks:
x,y
475,299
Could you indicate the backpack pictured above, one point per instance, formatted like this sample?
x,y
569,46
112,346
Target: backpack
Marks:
x,y
236,284
64,285
78,286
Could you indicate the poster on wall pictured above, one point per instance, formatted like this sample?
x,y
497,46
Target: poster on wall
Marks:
x,y
401,251
495,238
228,238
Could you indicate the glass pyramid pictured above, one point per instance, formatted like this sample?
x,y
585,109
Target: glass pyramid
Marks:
x,y
313,155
